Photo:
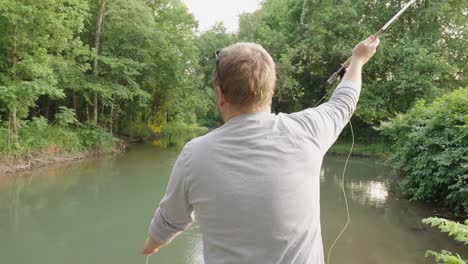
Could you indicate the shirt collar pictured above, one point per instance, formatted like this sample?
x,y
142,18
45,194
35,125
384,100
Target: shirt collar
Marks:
x,y
251,115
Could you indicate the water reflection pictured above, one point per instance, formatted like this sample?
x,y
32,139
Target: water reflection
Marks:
x,y
370,193
322,175
367,183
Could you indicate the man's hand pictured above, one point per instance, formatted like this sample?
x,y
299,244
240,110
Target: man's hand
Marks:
x,y
365,49
150,246
361,54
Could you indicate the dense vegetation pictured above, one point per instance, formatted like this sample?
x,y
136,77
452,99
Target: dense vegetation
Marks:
x,y
422,56
117,64
431,148
66,134
138,67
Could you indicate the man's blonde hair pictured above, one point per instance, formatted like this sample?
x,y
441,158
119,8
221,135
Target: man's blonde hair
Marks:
x,y
246,74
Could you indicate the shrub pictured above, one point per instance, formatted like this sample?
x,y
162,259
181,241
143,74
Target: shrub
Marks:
x,y
95,138
178,133
65,117
457,230
40,123
51,139
431,148
37,135
136,130
4,139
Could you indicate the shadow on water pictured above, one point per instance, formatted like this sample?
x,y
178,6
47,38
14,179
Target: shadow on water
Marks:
x,y
97,211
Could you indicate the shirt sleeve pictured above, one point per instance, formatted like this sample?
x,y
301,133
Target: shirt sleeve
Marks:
x,y
174,214
326,121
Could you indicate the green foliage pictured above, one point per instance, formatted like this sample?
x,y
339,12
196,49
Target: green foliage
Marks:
x,y
65,117
52,140
445,257
38,135
208,42
40,123
418,57
95,138
178,133
4,139
36,35
431,148
144,70
136,130
457,230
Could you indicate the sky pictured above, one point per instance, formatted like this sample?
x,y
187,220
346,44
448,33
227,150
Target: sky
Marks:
x,y
208,12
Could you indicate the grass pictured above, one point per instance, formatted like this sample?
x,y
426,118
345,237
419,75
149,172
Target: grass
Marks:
x,y
379,150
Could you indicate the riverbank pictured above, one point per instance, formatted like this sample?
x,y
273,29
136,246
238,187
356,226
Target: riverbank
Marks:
x,y
373,150
11,163
40,146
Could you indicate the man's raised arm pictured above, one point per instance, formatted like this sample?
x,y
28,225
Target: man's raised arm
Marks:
x,y
326,121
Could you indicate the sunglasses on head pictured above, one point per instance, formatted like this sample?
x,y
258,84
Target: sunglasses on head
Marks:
x,y
217,52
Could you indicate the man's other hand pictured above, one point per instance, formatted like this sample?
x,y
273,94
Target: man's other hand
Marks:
x,y
150,246
365,49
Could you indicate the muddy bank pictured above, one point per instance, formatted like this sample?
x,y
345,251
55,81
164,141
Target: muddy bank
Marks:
x,y
11,163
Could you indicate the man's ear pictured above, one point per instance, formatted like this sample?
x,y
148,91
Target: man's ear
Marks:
x,y
220,95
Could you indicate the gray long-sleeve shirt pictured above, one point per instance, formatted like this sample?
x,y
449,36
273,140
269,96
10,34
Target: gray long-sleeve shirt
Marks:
x,y
253,184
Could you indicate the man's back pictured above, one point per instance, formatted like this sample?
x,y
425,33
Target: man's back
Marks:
x,y
254,186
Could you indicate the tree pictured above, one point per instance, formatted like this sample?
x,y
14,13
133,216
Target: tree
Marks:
x,y
421,56
208,42
36,35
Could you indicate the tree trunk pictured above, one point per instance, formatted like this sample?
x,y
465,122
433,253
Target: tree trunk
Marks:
x,y
14,127
97,43
74,102
117,123
47,108
111,114
13,123
87,111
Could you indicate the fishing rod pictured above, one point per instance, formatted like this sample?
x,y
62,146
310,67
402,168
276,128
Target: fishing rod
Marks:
x,y
330,81
345,65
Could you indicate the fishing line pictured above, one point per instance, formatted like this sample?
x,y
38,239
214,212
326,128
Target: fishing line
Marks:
x,y
344,194
348,218
335,75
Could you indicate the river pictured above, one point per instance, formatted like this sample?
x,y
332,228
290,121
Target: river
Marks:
x,y
98,210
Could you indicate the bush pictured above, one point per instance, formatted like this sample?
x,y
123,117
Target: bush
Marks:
x,y
65,117
96,138
457,230
40,123
431,148
136,130
4,139
51,139
38,135
178,133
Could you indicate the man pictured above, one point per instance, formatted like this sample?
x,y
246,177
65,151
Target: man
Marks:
x,y
253,183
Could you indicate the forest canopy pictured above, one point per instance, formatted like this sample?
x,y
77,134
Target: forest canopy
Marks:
x,y
136,66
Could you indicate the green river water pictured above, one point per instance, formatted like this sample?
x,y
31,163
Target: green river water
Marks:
x,y
97,211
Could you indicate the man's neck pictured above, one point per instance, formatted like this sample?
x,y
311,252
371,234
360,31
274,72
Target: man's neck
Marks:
x,y
237,112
